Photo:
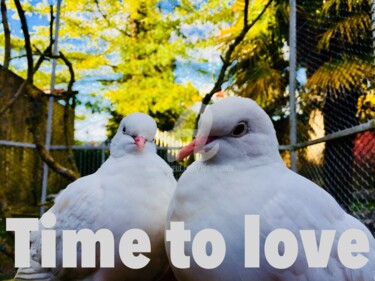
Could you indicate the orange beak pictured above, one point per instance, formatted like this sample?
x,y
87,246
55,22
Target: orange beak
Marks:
x,y
140,142
195,146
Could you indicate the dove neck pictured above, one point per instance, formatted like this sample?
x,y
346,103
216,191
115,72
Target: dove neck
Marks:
x,y
246,161
131,150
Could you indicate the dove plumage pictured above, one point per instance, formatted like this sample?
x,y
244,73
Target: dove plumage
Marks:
x,y
241,173
130,190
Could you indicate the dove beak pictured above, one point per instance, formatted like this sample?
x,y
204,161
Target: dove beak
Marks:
x,y
195,146
140,142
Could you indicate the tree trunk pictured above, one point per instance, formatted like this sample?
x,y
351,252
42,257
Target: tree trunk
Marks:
x,y
26,34
7,45
36,113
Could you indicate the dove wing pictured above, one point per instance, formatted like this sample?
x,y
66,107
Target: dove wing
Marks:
x,y
220,200
75,208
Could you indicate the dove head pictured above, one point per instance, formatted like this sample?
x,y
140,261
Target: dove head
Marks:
x,y
135,134
233,129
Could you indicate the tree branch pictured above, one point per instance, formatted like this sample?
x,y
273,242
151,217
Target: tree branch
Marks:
x,y
228,55
104,16
42,57
53,164
14,98
25,30
52,18
29,55
37,116
69,95
22,87
71,71
17,57
37,111
7,45
227,62
246,13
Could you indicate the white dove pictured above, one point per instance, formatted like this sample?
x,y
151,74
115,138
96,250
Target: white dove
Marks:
x,y
130,190
241,173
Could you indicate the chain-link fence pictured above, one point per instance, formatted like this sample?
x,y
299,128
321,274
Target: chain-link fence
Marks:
x,y
335,111
22,168
21,177
336,102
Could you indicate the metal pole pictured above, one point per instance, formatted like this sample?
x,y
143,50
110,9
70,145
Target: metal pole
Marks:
x,y
103,152
50,108
292,82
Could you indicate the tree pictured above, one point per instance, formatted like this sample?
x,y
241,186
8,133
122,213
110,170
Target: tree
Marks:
x,y
252,42
7,46
339,68
131,47
128,41
37,112
147,83
134,42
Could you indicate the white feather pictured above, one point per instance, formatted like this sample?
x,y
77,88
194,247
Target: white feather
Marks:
x,y
248,177
130,190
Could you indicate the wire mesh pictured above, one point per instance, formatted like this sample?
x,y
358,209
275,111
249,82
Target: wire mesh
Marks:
x,y
20,183
335,51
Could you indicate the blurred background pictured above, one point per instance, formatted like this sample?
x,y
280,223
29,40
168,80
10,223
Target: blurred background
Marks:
x,y
71,70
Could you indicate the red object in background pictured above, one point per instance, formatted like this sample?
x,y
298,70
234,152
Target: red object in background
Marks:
x,y
364,147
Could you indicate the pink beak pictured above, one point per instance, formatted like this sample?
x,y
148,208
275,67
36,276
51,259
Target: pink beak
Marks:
x,y
195,146
140,142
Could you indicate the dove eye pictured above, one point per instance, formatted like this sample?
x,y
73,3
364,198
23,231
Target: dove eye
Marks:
x,y
124,130
240,130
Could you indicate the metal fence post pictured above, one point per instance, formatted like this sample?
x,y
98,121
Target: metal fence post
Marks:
x,y
50,109
103,148
292,83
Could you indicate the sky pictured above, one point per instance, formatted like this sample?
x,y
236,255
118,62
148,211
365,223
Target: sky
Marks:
x,y
91,126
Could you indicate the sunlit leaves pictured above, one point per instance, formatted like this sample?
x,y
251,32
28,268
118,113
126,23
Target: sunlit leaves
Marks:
x,y
348,64
350,28
349,5
366,106
261,26
154,96
262,83
340,74
134,37
132,40
258,65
